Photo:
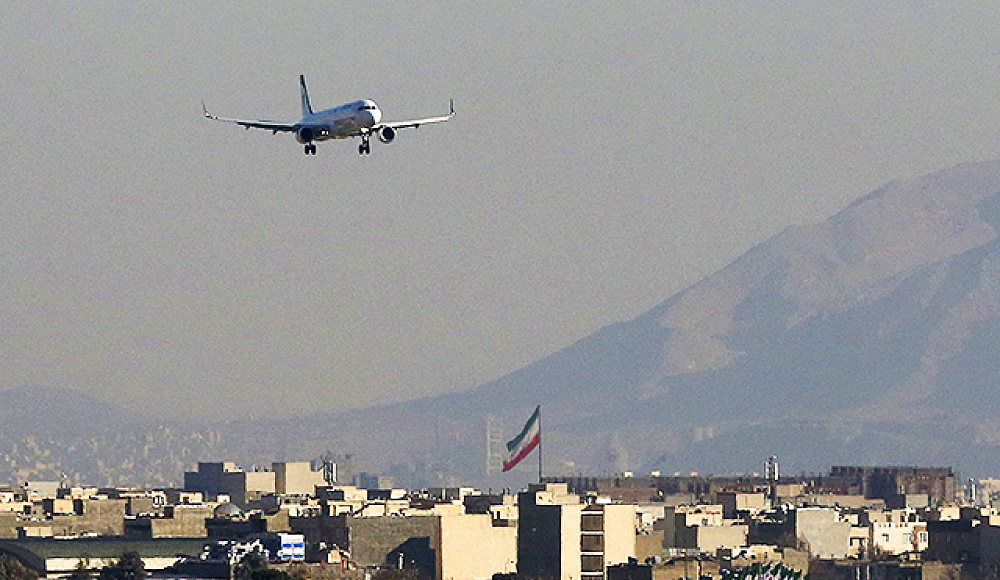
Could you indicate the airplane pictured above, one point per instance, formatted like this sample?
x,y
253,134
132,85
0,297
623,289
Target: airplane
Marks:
x,y
357,119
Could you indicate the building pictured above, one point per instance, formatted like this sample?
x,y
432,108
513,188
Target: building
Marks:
x,y
735,504
296,478
897,532
176,521
560,538
53,557
246,487
888,482
225,478
826,533
475,546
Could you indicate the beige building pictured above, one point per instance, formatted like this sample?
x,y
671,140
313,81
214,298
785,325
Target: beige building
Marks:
x,y
475,546
697,515
897,532
177,521
709,539
446,547
839,501
560,538
824,530
39,490
735,503
701,527
246,487
296,478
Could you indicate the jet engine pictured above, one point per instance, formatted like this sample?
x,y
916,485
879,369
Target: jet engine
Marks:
x,y
305,135
386,134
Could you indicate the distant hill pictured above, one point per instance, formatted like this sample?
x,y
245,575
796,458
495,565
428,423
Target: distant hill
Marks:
x,y
867,338
870,337
40,410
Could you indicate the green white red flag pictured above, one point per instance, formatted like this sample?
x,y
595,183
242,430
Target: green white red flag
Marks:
x,y
521,446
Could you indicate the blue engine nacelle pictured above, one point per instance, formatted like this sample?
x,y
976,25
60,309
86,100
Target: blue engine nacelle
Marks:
x,y
305,135
386,134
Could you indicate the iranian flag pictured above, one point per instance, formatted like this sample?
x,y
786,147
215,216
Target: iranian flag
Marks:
x,y
521,446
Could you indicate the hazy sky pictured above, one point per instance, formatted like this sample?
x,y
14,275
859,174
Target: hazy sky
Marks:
x,y
605,155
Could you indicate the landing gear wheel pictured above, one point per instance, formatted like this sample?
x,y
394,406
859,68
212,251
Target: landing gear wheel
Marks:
x,y
310,149
365,148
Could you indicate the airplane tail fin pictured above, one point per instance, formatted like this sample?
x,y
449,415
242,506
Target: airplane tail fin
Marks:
x,y
306,107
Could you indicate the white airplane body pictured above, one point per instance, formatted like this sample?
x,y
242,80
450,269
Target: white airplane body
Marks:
x,y
357,119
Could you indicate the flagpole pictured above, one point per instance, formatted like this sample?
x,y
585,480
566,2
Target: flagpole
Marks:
x,y
540,445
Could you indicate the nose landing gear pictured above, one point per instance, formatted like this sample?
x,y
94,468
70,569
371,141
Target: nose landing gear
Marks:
x,y
310,149
366,147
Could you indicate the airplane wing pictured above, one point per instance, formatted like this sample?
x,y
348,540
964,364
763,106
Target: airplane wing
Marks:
x,y
274,126
418,122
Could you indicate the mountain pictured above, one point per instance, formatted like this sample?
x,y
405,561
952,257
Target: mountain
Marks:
x,y
35,410
868,338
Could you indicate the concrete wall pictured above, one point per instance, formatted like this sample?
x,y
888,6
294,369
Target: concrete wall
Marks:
x,y
699,515
733,502
569,555
296,478
244,487
711,538
470,547
648,544
379,541
899,538
8,525
827,535
104,517
181,522
331,530
836,500
619,533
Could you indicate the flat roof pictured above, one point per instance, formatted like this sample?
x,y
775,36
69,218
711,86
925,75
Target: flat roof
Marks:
x,y
107,547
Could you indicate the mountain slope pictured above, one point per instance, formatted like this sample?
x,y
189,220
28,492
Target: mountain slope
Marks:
x,y
870,337
875,328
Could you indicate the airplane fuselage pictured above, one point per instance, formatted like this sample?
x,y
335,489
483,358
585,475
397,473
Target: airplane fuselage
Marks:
x,y
343,122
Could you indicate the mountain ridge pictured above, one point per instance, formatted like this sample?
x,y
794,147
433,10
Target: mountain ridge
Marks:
x,y
867,337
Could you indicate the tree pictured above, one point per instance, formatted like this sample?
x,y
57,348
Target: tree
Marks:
x,y
82,571
13,569
252,562
270,574
128,567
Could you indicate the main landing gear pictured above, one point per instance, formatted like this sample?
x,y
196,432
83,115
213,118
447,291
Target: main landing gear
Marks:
x,y
366,147
310,149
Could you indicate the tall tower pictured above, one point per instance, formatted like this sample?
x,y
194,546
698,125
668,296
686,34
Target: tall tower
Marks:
x,y
771,469
494,445
771,475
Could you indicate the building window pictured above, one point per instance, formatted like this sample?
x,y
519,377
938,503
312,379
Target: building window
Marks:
x,y
592,564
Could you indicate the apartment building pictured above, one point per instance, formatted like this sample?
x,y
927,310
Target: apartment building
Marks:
x,y
561,538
